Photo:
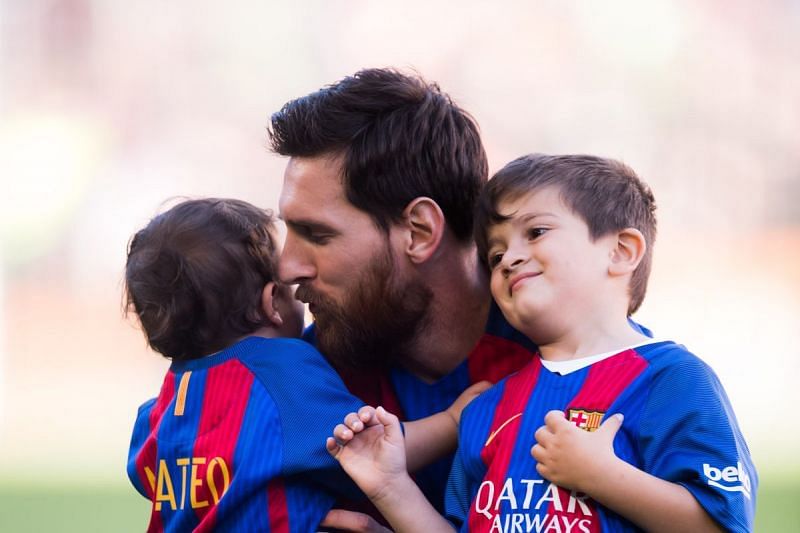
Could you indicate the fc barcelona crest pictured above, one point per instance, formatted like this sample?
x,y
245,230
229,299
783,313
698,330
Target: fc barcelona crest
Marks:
x,y
588,420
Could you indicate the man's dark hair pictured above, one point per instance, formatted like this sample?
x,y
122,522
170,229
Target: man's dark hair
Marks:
x,y
195,275
400,137
606,194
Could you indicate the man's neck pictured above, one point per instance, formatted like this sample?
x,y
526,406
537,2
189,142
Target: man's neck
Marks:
x,y
458,315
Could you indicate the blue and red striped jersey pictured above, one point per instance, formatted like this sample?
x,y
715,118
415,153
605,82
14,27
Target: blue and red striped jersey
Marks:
x,y
236,441
500,351
678,426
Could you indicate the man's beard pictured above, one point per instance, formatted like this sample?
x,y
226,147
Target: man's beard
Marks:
x,y
376,323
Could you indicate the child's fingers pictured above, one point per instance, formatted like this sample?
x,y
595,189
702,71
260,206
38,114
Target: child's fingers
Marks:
x,y
367,415
543,436
332,446
554,419
353,422
538,452
342,434
610,426
391,424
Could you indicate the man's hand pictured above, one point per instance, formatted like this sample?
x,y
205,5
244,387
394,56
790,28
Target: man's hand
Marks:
x,y
342,520
571,457
370,447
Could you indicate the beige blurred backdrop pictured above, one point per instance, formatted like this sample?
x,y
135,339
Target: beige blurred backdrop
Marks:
x,y
108,108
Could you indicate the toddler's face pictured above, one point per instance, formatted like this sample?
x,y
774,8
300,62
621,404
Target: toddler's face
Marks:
x,y
544,265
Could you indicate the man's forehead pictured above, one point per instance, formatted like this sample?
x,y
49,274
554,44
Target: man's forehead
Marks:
x,y
313,193
327,165
307,178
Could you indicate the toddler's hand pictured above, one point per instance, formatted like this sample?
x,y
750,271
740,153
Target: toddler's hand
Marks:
x,y
371,449
571,457
354,423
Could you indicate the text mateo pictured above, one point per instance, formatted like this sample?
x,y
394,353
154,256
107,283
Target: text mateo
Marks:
x,y
533,505
203,480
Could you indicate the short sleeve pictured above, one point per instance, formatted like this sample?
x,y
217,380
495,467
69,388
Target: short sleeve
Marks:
x,y
141,430
689,435
310,399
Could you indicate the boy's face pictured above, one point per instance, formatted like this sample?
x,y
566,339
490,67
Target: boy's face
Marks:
x,y
546,271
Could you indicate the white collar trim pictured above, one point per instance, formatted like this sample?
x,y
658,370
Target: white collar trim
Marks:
x,y
571,365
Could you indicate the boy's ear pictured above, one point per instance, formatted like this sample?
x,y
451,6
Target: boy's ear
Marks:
x,y
269,305
628,252
425,223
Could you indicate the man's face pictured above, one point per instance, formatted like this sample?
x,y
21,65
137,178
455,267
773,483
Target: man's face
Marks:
x,y
366,309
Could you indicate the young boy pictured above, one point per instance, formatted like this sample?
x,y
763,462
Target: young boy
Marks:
x,y
233,441
627,432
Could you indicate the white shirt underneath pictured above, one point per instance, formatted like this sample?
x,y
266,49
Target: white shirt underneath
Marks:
x,y
571,365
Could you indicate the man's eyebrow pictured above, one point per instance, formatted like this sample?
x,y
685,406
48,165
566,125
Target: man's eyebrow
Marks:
x,y
301,223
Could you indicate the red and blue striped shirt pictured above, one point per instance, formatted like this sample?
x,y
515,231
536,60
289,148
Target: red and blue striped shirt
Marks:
x,y
500,351
236,441
678,426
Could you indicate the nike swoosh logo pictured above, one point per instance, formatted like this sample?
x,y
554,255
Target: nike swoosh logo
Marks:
x,y
498,430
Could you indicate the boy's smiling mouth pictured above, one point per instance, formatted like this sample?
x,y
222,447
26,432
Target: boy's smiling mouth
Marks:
x,y
516,280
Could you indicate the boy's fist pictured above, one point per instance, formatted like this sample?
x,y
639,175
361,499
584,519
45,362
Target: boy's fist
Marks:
x,y
571,457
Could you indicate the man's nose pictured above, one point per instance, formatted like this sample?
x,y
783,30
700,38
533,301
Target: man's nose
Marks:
x,y
295,264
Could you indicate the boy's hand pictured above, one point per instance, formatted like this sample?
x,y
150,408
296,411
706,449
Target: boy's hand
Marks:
x,y
370,447
571,457
465,398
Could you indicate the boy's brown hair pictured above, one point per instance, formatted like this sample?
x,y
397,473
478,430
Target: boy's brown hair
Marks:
x,y
195,275
606,194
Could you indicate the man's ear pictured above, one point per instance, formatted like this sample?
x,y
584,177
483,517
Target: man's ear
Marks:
x,y
628,252
425,224
269,305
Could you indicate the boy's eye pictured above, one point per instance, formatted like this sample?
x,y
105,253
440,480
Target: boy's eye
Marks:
x,y
533,233
494,259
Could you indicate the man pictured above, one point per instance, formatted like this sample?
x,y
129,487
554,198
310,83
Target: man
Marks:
x,y
378,197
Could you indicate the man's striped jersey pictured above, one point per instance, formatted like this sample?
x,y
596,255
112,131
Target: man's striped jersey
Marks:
x,y
678,426
500,351
236,441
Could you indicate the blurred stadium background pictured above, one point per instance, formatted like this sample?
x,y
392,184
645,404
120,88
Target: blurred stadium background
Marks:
x,y
107,108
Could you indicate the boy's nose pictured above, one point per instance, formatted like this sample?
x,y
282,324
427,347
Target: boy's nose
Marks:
x,y
514,255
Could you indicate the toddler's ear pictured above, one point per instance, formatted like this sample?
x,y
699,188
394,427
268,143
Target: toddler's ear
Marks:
x,y
269,305
628,252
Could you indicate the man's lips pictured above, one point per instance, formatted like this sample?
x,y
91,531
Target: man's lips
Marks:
x,y
313,307
306,299
515,280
